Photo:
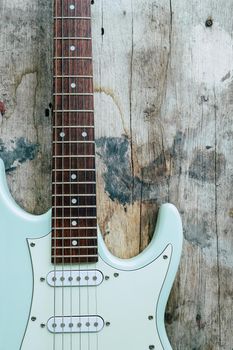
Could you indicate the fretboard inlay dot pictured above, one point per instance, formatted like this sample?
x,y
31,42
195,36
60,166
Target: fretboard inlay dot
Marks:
x,y
74,243
72,48
72,7
73,85
74,201
73,176
62,134
74,223
84,134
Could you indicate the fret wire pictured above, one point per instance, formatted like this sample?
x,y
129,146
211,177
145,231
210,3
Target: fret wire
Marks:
x,y
75,217
74,76
73,94
76,228
71,17
76,238
74,256
73,195
73,110
74,183
72,58
76,247
73,126
59,142
73,38
74,170
75,206
76,156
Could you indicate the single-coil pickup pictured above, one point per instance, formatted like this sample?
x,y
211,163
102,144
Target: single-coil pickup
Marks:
x,y
75,324
75,278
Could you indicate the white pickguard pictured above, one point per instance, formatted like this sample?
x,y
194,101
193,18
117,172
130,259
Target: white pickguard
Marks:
x,y
125,300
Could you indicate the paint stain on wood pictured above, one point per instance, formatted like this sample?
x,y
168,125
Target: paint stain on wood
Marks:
x,y
199,234
207,166
20,152
119,182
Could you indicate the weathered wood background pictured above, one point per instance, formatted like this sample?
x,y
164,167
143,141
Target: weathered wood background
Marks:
x,y
164,108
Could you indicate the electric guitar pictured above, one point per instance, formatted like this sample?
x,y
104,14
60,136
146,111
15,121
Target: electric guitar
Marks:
x,y
61,289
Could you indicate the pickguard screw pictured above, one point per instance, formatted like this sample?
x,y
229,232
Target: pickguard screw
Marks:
x,y
33,318
116,274
209,22
151,347
32,244
108,324
165,257
42,325
150,317
42,279
107,278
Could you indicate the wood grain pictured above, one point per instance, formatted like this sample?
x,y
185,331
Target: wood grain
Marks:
x,y
163,100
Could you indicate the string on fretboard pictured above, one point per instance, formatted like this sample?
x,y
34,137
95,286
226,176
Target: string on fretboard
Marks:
x,y
74,223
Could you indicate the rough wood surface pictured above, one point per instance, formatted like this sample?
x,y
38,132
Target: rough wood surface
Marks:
x,y
164,104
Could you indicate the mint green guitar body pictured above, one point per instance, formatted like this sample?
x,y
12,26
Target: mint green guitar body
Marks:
x,y
130,300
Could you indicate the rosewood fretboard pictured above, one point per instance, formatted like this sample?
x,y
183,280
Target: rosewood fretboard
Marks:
x,y
74,233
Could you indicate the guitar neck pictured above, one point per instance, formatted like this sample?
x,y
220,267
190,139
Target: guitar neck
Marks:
x,y
74,232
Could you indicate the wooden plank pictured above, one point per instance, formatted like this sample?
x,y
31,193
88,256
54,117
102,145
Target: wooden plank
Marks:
x,y
163,98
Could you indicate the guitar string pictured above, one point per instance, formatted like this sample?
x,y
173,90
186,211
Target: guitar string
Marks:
x,y
54,177
63,193
93,186
85,191
70,175
77,194
84,131
95,194
79,6
93,190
